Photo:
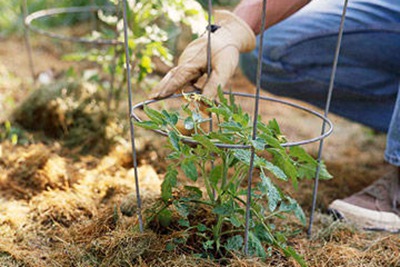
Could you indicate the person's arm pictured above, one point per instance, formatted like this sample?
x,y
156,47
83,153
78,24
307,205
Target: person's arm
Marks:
x,y
251,10
236,34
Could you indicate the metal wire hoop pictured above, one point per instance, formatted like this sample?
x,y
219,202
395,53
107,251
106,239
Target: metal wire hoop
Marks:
x,y
238,146
68,10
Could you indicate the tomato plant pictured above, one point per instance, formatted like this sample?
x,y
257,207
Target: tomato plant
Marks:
x,y
154,26
224,179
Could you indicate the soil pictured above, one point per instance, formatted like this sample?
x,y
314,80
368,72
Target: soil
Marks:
x,y
63,208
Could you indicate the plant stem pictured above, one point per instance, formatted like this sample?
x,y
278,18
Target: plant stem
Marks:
x,y
217,231
206,181
224,172
202,202
232,232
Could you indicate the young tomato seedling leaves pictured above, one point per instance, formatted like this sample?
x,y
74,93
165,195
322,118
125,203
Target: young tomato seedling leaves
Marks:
x,y
223,172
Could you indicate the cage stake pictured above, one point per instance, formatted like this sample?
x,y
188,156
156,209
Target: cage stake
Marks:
x,y
327,106
132,129
209,72
255,122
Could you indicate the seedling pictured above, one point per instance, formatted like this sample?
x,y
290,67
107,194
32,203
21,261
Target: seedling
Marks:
x,y
223,171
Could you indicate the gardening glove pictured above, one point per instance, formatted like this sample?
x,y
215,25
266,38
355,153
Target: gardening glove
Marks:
x,y
231,37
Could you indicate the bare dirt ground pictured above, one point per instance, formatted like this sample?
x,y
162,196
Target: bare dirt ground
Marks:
x,y
61,208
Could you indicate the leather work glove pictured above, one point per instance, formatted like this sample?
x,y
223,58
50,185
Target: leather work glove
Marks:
x,y
232,37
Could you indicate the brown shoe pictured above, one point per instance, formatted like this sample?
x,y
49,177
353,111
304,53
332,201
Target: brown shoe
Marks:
x,y
374,208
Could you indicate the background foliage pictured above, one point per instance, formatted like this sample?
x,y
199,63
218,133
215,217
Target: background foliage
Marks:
x,y
11,18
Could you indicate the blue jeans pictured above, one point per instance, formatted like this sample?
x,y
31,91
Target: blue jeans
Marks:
x,y
298,55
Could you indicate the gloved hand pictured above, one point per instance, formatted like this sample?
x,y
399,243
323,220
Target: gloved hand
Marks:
x,y
233,36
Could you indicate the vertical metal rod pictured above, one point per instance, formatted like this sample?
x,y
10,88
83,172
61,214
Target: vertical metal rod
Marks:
x,y
327,106
209,70
28,40
209,39
132,130
255,122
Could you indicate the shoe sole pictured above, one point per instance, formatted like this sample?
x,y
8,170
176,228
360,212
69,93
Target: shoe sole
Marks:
x,y
365,218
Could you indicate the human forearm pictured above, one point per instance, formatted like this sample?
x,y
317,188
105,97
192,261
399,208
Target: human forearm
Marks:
x,y
251,11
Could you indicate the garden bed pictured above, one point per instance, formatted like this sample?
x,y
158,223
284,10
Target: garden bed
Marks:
x,y
62,208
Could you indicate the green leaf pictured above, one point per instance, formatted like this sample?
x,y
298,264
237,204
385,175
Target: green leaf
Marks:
x,y
263,128
298,211
149,125
242,119
216,175
275,170
232,100
235,221
307,165
287,207
181,240
195,192
280,239
184,223
274,126
323,173
258,144
204,141
170,118
308,170
243,155
231,126
168,183
263,233
188,123
170,247
272,193
174,155
154,115
301,154
285,163
198,118
221,111
165,217
174,140
187,110
182,208
255,246
270,140
208,244
290,252
234,243
166,190
225,138
223,210
189,169
201,227
221,96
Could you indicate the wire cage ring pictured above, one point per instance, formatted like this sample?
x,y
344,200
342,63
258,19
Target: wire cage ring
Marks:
x,y
29,19
324,119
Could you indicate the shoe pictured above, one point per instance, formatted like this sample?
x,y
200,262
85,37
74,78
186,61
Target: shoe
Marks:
x,y
375,207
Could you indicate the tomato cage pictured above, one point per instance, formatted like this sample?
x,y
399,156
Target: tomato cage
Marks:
x,y
68,12
31,18
326,126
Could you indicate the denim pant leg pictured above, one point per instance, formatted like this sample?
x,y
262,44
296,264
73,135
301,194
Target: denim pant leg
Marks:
x,y
298,54
392,152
